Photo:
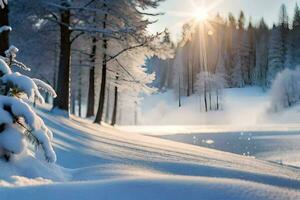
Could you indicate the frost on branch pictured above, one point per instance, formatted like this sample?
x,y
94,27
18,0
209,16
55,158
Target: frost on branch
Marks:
x,y
5,28
10,58
285,91
45,87
11,52
18,122
20,84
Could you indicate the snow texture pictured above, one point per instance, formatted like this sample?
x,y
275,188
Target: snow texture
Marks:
x,y
12,138
111,164
23,83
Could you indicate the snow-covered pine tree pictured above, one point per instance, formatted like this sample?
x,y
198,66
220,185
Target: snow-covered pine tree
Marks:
x,y
278,45
296,37
19,124
229,59
261,65
292,57
237,73
275,55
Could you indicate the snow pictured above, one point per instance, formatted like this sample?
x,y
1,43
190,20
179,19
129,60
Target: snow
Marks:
x,y
12,140
107,163
5,28
44,86
4,68
285,89
3,3
12,137
11,52
243,109
24,84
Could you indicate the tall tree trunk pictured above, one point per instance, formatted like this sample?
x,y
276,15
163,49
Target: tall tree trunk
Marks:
x,y
107,105
217,93
63,83
55,66
91,94
210,108
205,97
99,114
79,95
4,36
179,93
73,104
192,80
136,113
115,109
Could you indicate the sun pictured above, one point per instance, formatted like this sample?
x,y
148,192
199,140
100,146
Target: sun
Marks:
x,y
200,14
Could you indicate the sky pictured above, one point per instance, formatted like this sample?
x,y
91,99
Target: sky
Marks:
x,y
179,11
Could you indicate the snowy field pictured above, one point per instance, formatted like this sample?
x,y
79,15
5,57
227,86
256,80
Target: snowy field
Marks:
x,y
106,163
245,126
242,108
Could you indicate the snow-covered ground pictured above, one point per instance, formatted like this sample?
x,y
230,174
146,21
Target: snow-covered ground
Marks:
x,y
242,108
282,147
106,163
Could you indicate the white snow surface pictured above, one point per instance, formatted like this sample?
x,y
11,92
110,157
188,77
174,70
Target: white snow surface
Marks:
x,y
243,108
24,84
96,162
5,28
11,139
4,68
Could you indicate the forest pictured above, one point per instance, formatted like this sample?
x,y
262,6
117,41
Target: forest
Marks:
x,y
230,52
93,53
96,104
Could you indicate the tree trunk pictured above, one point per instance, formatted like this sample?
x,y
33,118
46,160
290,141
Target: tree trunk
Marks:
x,y
79,102
79,95
179,93
73,104
136,113
99,114
210,108
217,93
115,109
107,105
4,36
188,79
63,83
55,66
205,97
91,93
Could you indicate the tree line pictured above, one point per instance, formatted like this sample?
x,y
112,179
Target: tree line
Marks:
x,y
229,49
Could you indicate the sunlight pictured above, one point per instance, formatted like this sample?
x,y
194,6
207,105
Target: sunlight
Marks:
x,y
201,14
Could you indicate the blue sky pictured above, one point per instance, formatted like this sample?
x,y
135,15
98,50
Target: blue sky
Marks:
x,y
176,10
